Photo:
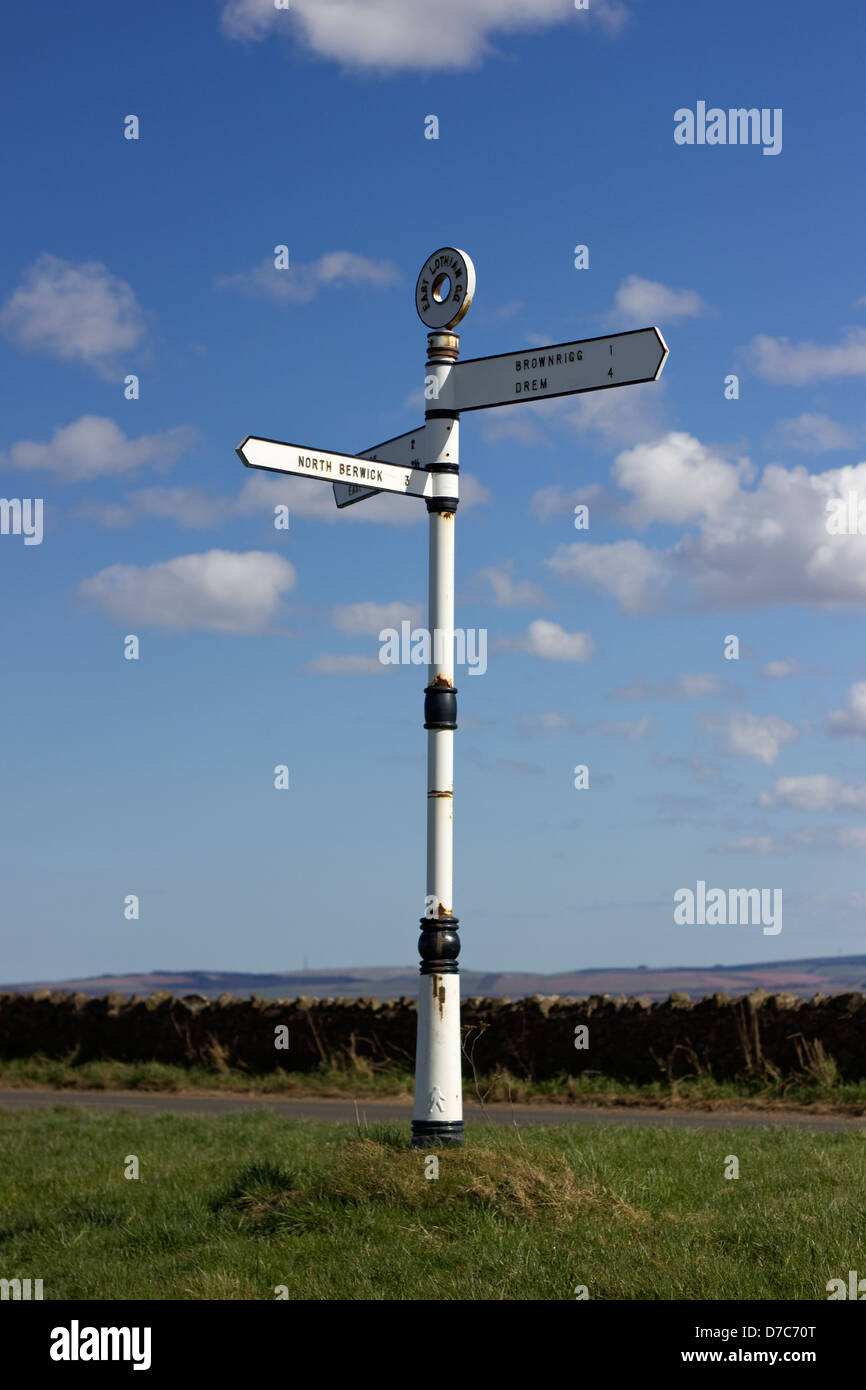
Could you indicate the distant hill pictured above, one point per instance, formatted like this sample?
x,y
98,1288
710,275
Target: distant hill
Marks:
x,y
814,975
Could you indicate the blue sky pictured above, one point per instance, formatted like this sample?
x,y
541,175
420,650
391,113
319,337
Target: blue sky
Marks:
x,y
259,647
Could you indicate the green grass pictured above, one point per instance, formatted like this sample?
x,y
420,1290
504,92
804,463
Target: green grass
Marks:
x,y
364,1081
231,1207
67,1074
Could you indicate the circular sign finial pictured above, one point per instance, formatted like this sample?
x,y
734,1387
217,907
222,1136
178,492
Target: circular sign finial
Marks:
x,y
445,288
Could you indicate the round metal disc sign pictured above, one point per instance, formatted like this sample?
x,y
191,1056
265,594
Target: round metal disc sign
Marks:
x,y
445,288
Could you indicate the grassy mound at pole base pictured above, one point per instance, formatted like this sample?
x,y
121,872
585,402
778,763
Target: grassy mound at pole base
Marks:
x,y
484,1177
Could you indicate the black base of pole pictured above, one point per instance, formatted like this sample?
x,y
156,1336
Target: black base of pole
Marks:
x,y
444,1134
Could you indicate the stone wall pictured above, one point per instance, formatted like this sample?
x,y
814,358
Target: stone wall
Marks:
x,y
630,1039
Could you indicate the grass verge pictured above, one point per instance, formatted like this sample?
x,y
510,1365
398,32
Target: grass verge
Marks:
x,y
698,1092
237,1207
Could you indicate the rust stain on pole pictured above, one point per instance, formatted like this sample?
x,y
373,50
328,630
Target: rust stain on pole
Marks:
x,y
439,994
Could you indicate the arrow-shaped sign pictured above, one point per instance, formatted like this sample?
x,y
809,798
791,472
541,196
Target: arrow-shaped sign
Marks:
x,y
404,450
564,369
275,457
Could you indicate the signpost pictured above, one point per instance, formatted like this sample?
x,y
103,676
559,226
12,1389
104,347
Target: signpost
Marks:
x,y
308,462
425,463
405,451
565,369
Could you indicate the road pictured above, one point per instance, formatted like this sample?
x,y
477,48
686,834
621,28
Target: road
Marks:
x,y
339,1110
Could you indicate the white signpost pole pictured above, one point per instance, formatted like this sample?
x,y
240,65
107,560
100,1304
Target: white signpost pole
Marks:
x,y
424,463
443,295
438,1111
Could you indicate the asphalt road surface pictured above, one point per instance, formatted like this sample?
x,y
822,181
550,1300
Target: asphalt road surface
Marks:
x,y
375,1111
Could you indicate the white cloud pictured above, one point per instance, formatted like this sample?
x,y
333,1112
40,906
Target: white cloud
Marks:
x,y
824,838
696,767
94,447
510,593
754,844
369,619
522,769
814,434
619,418
509,310
692,686
415,399
752,735
80,312
610,419
194,507
400,34
777,670
635,730
185,506
802,364
350,665
554,500
816,792
472,492
806,838
750,547
552,643
522,425
299,284
631,572
851,721
549,723
261,492
220,591
677,479
641,303
687,686
771,545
